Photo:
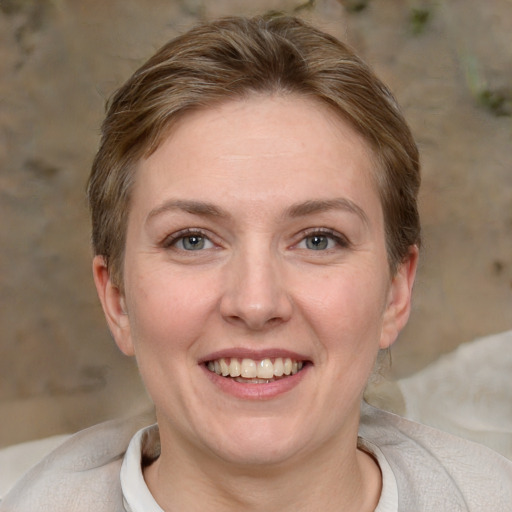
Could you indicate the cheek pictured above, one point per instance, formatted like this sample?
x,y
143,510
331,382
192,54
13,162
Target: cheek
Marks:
x,y
169,315
168,310
346,310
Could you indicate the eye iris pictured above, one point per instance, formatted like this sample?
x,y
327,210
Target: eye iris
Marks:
x,y
317,242
193,242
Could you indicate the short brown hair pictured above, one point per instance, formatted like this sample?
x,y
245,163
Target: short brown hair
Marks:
x,y
231,58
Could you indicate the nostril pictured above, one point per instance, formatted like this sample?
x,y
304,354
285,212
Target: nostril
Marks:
x,y
255,293
254,322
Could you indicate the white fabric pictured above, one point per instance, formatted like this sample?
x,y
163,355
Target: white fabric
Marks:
x,y
17,459
467,392
437,471
388,501
136,495
81,475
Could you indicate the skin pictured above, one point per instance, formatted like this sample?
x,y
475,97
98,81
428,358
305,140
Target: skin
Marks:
x,y
258,179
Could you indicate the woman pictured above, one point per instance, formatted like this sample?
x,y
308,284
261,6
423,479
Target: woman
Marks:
x,y
256,236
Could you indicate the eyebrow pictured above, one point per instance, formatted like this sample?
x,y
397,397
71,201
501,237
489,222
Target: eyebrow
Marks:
x,y
193,207
323,205
310,207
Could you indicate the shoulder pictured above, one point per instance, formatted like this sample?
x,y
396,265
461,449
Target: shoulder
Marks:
x,y
438,471
81,474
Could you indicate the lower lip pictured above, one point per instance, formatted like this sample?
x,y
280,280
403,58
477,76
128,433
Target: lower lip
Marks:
x,y
250,391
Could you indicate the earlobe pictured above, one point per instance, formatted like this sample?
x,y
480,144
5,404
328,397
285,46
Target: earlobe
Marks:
x,y
399,299
114,307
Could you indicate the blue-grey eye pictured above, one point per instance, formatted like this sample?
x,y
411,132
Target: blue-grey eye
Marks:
x,y
194,243
317,242
321,241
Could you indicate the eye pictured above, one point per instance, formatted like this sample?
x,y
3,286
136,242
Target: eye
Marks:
x,y
194,243
318,242
322,241
189,241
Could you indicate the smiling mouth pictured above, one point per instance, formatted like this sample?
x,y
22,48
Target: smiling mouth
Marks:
x,y
250,371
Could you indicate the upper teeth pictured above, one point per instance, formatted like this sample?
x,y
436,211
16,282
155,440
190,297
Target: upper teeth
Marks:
x,y
252,369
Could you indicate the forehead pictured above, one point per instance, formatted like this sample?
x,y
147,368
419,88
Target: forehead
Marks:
x,y
255,148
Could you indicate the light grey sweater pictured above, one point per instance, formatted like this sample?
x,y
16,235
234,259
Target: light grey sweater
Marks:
x,y
434,471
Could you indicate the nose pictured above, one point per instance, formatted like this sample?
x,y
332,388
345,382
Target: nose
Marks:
x,y
255,293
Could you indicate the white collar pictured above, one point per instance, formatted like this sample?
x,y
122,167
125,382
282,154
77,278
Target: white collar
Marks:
x,y
388,501
138,498
136,495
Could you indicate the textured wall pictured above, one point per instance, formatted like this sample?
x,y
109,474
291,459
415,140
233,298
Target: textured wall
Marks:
x,y
450,65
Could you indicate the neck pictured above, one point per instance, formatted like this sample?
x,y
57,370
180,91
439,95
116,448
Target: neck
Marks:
x,y
349,481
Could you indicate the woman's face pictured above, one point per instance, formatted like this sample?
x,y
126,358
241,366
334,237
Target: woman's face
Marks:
x,y
255,247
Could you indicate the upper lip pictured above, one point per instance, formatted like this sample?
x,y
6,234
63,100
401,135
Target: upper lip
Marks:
x,y
256,355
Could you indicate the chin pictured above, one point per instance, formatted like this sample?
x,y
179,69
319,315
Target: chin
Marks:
x,y
258,442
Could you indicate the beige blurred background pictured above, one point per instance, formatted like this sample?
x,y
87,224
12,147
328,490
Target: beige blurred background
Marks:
x,y
449,63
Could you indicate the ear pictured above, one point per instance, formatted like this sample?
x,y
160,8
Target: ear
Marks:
x,y
114,307
399,299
